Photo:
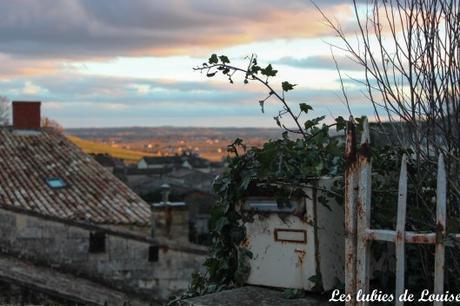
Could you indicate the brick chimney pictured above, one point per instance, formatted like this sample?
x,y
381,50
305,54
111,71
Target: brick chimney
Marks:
x,y
26,115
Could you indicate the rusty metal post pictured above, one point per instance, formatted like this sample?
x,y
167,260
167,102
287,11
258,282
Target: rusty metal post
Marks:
x,y
364,213
351,187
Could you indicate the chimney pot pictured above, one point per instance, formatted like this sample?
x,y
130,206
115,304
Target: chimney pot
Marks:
x,y
26,115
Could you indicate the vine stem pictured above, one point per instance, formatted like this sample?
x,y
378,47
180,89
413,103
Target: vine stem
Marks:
x,y
269,87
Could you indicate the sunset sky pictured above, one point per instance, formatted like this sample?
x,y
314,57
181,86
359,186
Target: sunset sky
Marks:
x,y
129,63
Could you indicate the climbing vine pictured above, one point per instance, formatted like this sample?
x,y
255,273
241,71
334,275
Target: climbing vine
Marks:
x,y
282,167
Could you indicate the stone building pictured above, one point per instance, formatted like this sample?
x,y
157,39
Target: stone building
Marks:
x,y
65,215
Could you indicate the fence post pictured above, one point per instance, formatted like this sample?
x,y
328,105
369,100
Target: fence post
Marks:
x,y
351,186
440,228
401,231
363,213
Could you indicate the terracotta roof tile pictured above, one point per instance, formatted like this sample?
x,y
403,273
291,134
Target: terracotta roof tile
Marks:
x,y
93,193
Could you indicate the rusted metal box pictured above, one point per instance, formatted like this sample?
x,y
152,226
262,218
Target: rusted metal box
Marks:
x,y
301,246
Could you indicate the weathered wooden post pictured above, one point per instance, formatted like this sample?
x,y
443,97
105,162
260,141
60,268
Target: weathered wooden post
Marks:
x,y
401,231
440,228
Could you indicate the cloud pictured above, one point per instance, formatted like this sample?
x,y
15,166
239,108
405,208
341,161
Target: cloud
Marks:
x,y
105,28
321,62
74,88
80,100
19,66
33,89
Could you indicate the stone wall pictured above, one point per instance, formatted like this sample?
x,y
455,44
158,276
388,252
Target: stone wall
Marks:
x,y
128,263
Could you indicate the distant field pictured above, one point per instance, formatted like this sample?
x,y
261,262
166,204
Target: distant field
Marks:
x,y
91,147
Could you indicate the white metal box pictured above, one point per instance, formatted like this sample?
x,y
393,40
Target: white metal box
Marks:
x,y
292,246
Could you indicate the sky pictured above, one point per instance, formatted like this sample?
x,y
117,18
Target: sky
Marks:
x,y
112,63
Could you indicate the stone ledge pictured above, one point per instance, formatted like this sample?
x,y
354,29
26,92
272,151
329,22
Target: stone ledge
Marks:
x,y
250,296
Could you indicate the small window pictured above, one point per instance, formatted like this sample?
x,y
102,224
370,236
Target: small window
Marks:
x,y
97,242
56,182
153,253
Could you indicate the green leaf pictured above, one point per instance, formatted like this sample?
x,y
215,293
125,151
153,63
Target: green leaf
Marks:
x,y
315,279
292,293
224,59
313,122
211,74
269,71
255,69
213,59
305,107
287,86
341,123
221,223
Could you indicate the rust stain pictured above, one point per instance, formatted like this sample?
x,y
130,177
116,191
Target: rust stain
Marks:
x,y
440,232
359,209
350,147
246,242
301,255
370,236
365,152
421,240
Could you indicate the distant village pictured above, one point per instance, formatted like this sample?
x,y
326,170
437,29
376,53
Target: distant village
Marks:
x,y
188,176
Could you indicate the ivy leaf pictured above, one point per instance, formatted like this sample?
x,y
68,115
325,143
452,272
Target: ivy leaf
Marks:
x,y
292,293
255,69
305,107
269,71
341,123
316,279
224,59
213,59
287,86
313,122
221,223
245,183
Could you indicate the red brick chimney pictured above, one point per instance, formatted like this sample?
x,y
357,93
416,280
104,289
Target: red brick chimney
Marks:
x,y
26,115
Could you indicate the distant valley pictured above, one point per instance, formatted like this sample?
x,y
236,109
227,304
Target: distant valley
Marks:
x,y
129,143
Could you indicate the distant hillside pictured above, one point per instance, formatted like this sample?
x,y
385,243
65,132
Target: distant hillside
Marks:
x,y
132,134
91,147
210,143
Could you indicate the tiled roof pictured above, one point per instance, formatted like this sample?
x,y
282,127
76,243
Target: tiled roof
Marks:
x,y
160,160
92,193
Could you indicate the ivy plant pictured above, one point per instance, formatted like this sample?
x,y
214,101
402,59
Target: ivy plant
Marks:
x,y
285,167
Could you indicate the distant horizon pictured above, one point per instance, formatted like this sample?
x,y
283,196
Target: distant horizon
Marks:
x,y
176,127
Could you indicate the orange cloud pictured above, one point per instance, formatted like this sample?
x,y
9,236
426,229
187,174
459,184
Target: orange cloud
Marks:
x,y
275,24
14,67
